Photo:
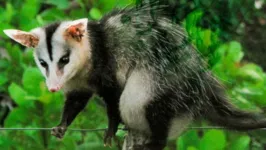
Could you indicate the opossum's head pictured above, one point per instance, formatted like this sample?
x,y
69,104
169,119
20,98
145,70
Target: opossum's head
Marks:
x,y
61,49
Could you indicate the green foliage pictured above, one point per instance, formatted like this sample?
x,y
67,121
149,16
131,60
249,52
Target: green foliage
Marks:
x,y
19,77
245,84
213,139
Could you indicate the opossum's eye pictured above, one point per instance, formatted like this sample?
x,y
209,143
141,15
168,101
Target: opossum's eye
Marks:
x,y
63,60
43,63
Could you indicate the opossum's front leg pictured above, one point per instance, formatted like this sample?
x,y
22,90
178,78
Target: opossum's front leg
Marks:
x,y
113,122
75,102
111,97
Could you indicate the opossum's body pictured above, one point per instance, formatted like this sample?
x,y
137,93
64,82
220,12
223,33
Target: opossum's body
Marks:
x,y
154,65
150,76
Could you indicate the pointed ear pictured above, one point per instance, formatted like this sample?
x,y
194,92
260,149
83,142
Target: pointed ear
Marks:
x,y
24,38
77,29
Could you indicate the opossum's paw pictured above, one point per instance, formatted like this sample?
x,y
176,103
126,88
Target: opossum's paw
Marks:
x,y
108,135
59,131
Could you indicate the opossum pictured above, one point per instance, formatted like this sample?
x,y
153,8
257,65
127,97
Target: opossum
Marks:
x,y
145,68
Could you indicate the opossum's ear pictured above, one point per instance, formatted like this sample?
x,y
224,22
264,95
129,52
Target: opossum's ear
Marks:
x,y
77,29
24,38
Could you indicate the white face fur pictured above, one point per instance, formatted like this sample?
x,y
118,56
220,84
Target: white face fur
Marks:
x,y
61,50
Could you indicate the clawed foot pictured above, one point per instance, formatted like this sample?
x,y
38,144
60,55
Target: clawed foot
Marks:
x,y
59,131
108,137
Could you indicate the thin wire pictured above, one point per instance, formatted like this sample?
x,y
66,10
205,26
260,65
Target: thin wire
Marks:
x,y
103,129
49,129
206,128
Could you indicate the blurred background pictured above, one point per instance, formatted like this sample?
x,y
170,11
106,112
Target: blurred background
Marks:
x,y
230,35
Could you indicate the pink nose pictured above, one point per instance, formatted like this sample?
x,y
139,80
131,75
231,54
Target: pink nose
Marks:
x,y
53,90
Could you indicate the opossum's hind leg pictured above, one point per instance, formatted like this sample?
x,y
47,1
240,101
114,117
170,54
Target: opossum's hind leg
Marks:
x,y
159,116
138,141
166,119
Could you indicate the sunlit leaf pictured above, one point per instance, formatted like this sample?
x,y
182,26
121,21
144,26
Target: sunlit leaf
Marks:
x,y
234,52
192,148
18,94
95,13
213,140
31,81
251,72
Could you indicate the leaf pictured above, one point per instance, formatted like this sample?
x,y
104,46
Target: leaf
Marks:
x,y
3,27
219,53
31,6
206,40
191,148
28,57
15,53
9,12
106,5
124,3
213,140
191,23
243,103
95,13
242,143
61,4
77,14
17,93
31,80
48,15
6,142
69,143
17,117
181,143
188,139
248,91
27,15
235,53
251,72
3,79
4,63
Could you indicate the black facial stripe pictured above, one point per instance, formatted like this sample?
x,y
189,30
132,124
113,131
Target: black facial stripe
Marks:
x,y
49,31
44,65
61,63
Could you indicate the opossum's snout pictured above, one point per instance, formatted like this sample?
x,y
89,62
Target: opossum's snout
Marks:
x,y
55,80
54,85
54,89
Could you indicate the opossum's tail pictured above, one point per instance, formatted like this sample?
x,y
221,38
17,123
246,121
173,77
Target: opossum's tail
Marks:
x,y
223,113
